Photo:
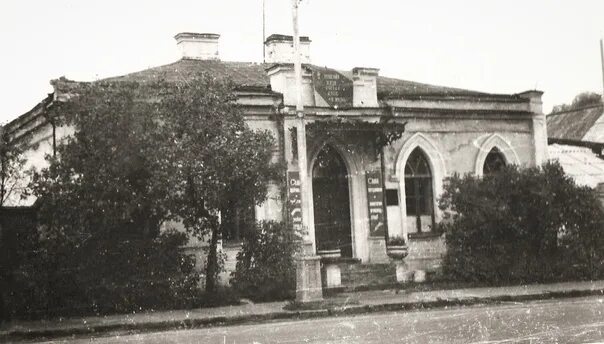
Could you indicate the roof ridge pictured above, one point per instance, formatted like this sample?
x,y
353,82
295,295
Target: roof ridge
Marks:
x,y
592,106
141,70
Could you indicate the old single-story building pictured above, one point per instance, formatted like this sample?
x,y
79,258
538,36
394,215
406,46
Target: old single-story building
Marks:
x,y
576,141
358,195
583,124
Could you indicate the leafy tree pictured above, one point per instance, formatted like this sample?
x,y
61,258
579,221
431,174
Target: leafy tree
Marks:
x,y
103,172
213,160
102,206
146,153
13,182
522,225
12,163
580,101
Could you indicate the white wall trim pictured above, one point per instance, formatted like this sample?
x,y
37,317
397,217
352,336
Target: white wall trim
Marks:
x,y
495,140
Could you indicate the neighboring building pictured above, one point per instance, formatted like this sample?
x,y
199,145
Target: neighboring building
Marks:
x,y
585,167
576,140
585,124
356,197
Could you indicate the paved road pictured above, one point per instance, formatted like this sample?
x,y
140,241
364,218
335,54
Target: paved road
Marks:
x,y
579,320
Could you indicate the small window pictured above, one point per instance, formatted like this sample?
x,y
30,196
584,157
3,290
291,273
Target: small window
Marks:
x,y
391,197
494,162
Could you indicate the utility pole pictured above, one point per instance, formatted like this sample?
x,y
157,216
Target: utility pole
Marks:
x,y
602,63
308,265
302,159
263,30
297,61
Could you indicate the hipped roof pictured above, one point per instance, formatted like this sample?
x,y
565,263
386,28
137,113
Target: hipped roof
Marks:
x,y
249,74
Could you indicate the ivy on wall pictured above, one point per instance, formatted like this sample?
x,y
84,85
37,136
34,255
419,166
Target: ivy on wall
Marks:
x,y
384,132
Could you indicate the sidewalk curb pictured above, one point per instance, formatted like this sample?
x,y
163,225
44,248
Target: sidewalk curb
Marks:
x,y
284,315
467,301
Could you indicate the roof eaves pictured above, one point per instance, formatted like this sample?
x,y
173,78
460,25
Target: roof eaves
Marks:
x,y
458,111
445,96
256,89
588,107
38,109
596,147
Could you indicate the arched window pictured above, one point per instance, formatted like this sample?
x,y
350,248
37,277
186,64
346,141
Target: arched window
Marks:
x,y
418,193
494,162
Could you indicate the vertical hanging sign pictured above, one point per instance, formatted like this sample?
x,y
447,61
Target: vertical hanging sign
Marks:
x,y
375,200
294,200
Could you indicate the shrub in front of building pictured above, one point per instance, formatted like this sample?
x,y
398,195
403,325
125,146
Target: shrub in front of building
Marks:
x,y
266,269
522,225
60,276
140,155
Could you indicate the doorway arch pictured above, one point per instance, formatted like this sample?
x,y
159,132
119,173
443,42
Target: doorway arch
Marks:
x,y
331,202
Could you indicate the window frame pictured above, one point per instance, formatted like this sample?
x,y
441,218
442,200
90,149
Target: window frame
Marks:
x,y
421,201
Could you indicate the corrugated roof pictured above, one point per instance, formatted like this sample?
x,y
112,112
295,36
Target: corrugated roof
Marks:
x,y
574,124
249,74
580,163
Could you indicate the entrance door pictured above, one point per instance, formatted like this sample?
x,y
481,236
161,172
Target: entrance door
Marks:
x,y
331,202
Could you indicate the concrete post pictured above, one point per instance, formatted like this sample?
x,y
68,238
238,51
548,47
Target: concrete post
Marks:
x,y
333,275
308,265
403,274
308,279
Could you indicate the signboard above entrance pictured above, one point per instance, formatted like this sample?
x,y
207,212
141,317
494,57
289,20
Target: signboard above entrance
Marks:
x,y
333,87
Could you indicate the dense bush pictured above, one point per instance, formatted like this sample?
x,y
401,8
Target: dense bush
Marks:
x,y
522,225
61,276
17,234
265,266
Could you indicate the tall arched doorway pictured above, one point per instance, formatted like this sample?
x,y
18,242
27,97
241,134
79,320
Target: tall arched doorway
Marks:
x,y
331,201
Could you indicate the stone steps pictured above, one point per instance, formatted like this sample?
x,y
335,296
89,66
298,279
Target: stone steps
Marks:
x,y
353,276
367,276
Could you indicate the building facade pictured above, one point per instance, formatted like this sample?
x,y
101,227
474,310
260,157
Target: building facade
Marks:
x,y
359,192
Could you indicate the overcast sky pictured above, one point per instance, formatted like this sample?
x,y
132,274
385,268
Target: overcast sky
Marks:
x,y
504,46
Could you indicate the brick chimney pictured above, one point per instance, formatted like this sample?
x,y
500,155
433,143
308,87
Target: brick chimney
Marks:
x,y
280,49
198,46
